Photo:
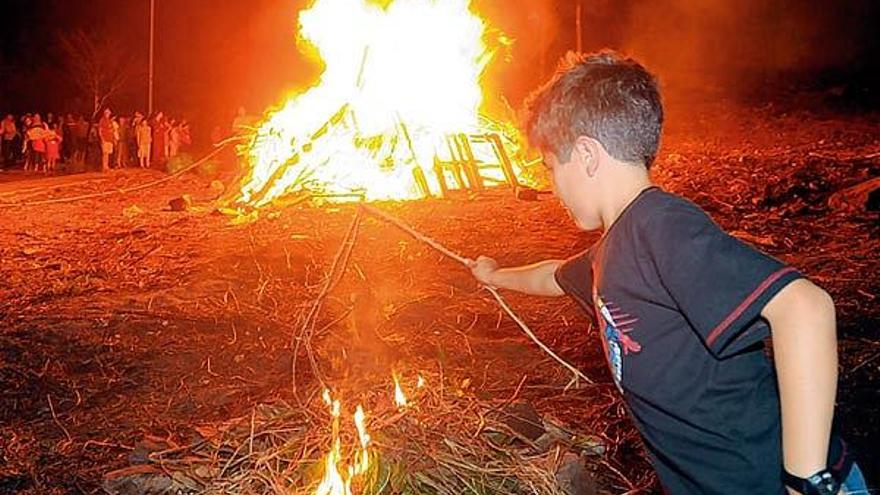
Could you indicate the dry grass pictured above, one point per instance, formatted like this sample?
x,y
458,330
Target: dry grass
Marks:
x,y
444,442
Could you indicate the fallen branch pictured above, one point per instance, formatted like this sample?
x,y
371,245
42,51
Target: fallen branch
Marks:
x,y
855,196
337,268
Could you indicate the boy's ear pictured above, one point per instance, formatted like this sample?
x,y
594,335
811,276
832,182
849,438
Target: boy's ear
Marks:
x,y
586,153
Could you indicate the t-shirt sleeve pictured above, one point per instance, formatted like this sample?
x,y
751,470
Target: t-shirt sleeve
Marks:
x,y
575,278
719,283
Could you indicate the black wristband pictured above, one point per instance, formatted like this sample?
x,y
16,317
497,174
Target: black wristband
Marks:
x,y
824,482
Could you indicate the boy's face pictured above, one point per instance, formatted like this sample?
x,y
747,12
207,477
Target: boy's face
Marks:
x,y
575,186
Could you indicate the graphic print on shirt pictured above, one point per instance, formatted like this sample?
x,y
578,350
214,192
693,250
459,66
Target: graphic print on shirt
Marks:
x,y
614,325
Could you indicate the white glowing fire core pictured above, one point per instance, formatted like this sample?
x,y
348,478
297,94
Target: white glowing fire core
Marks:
x,y
415,63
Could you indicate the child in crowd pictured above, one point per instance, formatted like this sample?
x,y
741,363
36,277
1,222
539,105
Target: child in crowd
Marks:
x,y
35,144
144,136
53,147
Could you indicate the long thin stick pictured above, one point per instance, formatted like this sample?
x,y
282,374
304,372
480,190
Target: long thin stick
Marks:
x,y
304,335
413,232
467,262
528,331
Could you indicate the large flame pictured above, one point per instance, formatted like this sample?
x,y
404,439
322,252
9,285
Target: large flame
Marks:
x,y
397,80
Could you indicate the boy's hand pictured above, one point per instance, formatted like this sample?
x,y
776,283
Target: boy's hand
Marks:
x,y
537,279
483,269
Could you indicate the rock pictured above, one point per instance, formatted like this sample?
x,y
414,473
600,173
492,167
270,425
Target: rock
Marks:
x,y
873,201
526,194
573,477
132,211
524,420
180,203
137,480
865,195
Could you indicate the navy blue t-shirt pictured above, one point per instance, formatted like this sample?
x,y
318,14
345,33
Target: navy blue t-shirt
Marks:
x,y
678,303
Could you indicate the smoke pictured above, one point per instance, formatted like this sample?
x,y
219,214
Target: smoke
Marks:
x,y
715,45
531,29
732,46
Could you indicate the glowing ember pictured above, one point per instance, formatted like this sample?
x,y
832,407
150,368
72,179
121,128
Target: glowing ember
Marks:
x,y
397,82
399,396
420,382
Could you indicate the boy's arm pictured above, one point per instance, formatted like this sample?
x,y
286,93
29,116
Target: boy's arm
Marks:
x,y
538,279
802,326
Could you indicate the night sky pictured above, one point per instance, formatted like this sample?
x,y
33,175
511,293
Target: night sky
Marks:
x,y
210,56
213,56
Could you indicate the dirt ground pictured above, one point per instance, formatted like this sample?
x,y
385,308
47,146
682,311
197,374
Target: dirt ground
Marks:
x,y
116,322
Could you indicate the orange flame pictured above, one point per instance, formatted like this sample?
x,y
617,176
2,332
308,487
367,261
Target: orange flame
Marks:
x,y
397,80
363,460
333,483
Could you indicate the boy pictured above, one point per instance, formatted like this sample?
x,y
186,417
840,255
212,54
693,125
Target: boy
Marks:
x,y
144,137
682,307
107,133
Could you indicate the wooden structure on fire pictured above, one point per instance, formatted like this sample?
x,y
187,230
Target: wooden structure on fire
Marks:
x,y
462,171
465,168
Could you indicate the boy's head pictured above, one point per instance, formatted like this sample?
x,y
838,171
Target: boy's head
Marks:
x,y
597,122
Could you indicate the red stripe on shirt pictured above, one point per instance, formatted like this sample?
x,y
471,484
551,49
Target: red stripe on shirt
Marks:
x,y
718,330
839,465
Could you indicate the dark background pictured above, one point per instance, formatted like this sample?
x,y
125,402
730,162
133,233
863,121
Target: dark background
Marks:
x,y
213,56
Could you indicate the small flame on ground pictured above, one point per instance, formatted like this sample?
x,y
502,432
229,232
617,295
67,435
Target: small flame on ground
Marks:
x,y
363,459
399,396
333,484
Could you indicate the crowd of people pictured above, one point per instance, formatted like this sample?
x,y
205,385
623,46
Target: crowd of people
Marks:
x,y
40,144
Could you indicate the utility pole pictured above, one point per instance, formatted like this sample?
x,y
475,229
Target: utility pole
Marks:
x,y
150,77
577,26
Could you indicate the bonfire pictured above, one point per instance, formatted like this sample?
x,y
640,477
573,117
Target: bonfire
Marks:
x,y
396,114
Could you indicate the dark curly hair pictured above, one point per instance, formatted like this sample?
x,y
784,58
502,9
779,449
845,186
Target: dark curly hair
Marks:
x,y
604,96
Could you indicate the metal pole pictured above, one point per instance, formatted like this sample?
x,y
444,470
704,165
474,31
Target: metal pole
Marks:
x,y
150,78
577,23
